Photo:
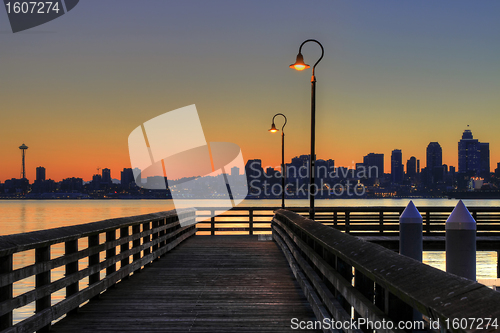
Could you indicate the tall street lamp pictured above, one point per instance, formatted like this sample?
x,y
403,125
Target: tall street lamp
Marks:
x,y
300,65
274,130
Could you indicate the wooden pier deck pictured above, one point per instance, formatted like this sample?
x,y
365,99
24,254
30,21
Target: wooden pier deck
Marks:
x,y
206,284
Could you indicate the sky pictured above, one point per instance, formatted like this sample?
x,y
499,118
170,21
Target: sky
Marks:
x,y
395,75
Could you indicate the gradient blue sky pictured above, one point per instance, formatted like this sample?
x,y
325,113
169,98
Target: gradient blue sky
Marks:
x,y
396,74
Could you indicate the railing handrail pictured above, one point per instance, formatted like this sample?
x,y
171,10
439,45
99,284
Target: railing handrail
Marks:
x,y
448,296
14,243
355,208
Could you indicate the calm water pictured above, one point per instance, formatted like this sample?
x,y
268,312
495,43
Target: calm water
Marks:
x,y
18,216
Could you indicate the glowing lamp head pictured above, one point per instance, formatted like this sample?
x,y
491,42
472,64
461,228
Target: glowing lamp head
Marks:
x,y
273,129
299,63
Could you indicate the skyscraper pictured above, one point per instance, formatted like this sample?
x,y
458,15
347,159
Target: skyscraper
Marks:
x,y
434,155
484,160
397,166
435,169
106,176
469,155
411,167
40,174
127,178
374,164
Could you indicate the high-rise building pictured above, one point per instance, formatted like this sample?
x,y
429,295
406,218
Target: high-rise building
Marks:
x,y
411,167
235,171
106,176
434,155
374,164
127,178
435,171
40,174
484,160
397,166
469,155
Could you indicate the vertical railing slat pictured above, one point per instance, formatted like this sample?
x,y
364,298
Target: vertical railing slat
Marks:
x,y
42,254
156,234
146,226
6,291
94,259
110,253
71,268
136,230
123,248
250,220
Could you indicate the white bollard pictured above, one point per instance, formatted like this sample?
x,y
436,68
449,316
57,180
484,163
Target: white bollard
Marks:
x,y
461,243
410,233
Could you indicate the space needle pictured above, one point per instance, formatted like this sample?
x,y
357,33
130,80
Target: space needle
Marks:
x,y
23,147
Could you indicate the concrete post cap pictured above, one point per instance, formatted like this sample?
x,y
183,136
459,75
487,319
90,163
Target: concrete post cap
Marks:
x,y
410,214
460,219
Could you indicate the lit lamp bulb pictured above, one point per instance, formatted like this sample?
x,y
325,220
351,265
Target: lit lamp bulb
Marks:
x,y
299,63
273,129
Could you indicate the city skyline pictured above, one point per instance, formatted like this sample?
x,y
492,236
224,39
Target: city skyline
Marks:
x,y
398,166
395,75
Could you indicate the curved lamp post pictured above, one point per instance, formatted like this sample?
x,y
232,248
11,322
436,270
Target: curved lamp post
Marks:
x,y
274,130
300,65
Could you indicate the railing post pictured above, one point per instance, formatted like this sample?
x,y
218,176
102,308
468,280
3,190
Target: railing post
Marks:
x,y
335,218
155,224
42,254
136,230
381,221
345,271
6,291
146,239
110,253
71,247
364,285
498,264
250,220
427,222
123,248
212,222
94,260
380,297
347,222
163,222
396,309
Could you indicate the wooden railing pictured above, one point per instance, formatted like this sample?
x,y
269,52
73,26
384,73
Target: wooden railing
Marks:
x,y
364,221
341,275
129,244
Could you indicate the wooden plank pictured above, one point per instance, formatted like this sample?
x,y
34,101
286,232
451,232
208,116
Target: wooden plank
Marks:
x,y
207,284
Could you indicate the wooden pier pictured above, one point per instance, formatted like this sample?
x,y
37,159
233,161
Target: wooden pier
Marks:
x,y
206,284
155,272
